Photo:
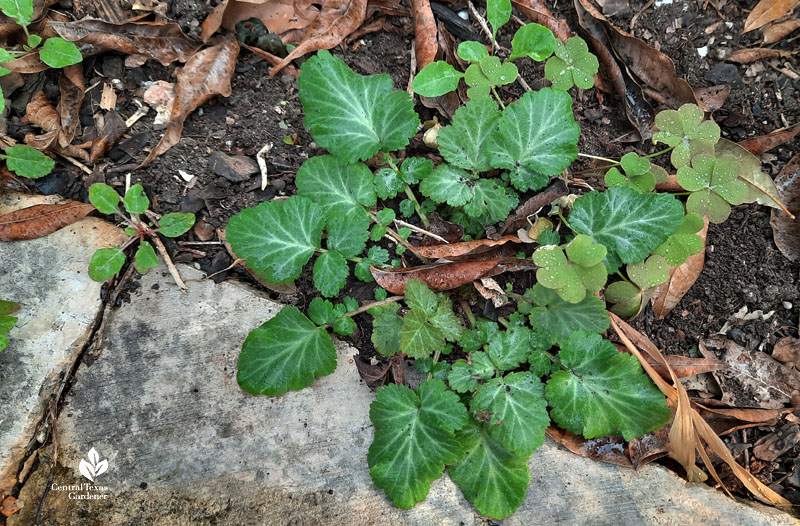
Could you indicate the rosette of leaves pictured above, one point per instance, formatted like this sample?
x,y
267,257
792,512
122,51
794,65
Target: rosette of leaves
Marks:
x,y
637,173
630,297
686,132
715,186
108,261
572,64
7,321
425,328
573,269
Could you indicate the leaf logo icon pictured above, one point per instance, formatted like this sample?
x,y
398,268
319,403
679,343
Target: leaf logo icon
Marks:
x,y
94,467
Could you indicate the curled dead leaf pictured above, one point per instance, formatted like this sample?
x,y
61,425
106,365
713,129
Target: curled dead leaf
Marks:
x,y
681,278
684,366
451,232
764,143
767,11
712,98
465,248
425,45
747,56
39,220
777,32
447,276
490,290
71,86
557,188
40,112
785,229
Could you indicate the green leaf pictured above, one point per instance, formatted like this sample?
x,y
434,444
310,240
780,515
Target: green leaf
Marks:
x,y
418,337
569,278
321,311
277,238
514,410
476,79
685,130
135,200
573,64
413,439
387,183
3,71
446,321
8,307
348,231
19,10
415,169
285,353
627,298
330,273
684,242
490,200
385,216
104,198
464,143
175,224
534,41
386,330
628,223
406,207
472,51
538,134
336,188
145,258
603,392
498,12
492,478
344,326
6,324
105,263
351,115
498,73
28,162
637,174
436,79
447,183
420,297
649,273
59,53
5,56
560,318
714,184
34,40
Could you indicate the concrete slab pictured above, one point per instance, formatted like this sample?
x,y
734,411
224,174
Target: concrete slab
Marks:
x,y
186,446
49,278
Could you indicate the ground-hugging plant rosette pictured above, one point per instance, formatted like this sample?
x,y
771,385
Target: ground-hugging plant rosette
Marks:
x,y
480,417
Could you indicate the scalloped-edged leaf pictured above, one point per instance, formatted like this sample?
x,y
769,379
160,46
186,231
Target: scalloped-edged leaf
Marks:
x,y
418,338
351,115
420,297
492,478
348,231
277,238
336,188
628,223
490,200
386,330
537,134
322,311
285,353
414,439
508,349
447,183
330,273
436,79
560,318
649,273
463,144
514,410
603,392
446,321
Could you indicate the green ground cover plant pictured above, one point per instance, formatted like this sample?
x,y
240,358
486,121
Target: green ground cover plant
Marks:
x,y
7,321
481,417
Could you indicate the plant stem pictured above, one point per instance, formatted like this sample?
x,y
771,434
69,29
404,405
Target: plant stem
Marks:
x,y
502,321
563,220
612,161
665,150
409,192
467,312
436,356
390,299
496,96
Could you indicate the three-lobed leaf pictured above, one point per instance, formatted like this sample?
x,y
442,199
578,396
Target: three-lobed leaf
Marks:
x,y
572,64
685,130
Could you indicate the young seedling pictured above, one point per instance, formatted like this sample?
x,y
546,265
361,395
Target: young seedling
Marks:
x,y
106,262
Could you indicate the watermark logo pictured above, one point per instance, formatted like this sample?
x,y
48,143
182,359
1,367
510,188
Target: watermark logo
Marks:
x,y
94,467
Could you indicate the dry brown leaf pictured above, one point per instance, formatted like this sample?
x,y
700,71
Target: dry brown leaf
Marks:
x,y
161,41
712,98
747,56
777,32
272,59
685,366
40,112
72,89
787,351
785,230
490,290
39,220
213,21
649,447
447,276
775,444
767,11
681,278
536,11
764,143
725,420
465,248
113,128
451,232
29,63
425,44
606,449
287,18
519,219
336,20
206,74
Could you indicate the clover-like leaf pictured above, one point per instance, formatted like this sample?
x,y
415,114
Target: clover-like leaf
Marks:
x,y
59,53
447,184
330,273
277,238
583,251
492,478
637,174
145,258
479,85
534,41
27,161
414,439
630,298
105,263
386,330
436,79
463,144
572,64
603,392
498,73
285,353
569,278
472,51
104,198
351,115
714,186
175,224
537,136
626,299
649,273
684,242
685,130
628,223
560,318
135,200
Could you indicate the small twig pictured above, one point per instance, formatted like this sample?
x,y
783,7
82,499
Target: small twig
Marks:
x,y
75,162
199,242
421,231
522,83
163,251
262,163
412,69
639,13
481,21
598,158
397,238
390,299
217,273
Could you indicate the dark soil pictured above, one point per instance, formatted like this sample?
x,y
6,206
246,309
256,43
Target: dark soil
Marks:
x,y
743,267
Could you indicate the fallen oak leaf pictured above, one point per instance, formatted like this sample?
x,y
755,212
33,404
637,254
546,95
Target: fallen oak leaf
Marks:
x,y
747,56
206,74
681,278
764,143
447,276
767,11
464,248
787,351
40,220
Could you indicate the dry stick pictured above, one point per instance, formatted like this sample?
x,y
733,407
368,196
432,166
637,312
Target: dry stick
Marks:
x,y
412,69
217,273
639,13
397,238
745,179
261,157
481,21
163,251
75,162
421,231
